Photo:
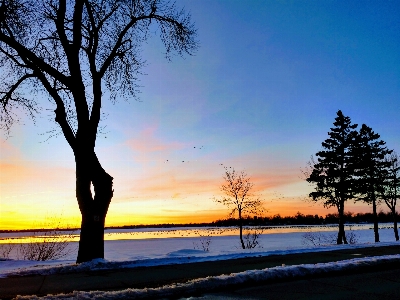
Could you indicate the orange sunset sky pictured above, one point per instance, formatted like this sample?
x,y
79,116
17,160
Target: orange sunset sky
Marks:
x,y
259,95
148,188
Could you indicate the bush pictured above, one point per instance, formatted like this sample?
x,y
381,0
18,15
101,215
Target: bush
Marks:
x,y
251,239
54,245
205,241
5,250
42,244
320,239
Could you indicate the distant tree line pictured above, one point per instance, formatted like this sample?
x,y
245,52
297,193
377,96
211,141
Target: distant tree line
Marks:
x,y
355,165
301,219
275,220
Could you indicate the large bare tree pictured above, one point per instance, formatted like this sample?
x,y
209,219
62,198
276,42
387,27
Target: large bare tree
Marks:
x,y
72,50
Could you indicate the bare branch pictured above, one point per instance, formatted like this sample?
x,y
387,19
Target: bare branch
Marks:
x,y
61,117
59,22
8,95
237,188
24,52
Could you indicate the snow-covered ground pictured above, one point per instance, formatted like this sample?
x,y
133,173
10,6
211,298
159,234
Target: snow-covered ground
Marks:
x,y
188,245
128,249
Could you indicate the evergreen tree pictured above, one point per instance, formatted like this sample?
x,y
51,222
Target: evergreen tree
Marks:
x,y
391,191
371,169
333,172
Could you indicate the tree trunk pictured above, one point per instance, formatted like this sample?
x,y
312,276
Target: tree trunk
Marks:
x,y
396,232
91,243
93,208
241,230
341,234
375,217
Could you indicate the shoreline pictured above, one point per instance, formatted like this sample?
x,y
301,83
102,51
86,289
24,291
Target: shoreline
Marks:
x,y
200,225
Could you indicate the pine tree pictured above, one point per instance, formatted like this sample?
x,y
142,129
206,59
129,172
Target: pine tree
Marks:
x,y
391,191
333,172
371,169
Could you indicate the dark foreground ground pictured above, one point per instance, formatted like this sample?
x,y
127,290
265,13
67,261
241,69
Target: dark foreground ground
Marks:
x,y
370,285
378,281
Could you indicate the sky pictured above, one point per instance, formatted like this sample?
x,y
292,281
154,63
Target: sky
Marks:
x,y
259,95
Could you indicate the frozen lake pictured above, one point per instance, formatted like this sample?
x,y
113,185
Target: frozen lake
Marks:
x,y
150,243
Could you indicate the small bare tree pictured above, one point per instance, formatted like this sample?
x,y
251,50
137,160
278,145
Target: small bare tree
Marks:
x,y
239,197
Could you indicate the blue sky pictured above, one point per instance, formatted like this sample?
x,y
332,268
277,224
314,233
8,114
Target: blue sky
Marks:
x,y
260,94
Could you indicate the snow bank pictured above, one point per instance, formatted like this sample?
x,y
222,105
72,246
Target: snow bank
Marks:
x,y
213,283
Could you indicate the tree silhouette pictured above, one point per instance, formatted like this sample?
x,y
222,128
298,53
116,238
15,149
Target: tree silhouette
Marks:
x,y
391,190
370,169
332,174
70,51
239,197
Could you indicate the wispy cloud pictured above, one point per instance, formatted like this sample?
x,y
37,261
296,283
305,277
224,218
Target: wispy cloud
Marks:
x,y
147,142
